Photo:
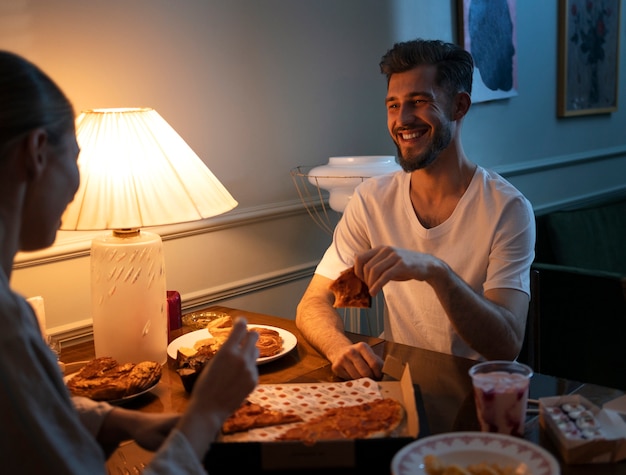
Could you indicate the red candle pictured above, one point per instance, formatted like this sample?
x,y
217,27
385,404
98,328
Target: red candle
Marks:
x,y
174,310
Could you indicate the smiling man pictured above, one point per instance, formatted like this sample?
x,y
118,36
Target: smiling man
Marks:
x,y
448,242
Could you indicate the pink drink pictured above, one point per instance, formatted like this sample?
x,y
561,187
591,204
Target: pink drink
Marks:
x,y
501,395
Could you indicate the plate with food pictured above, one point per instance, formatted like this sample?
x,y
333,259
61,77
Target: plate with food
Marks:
x,y
273,343
104,379
474,452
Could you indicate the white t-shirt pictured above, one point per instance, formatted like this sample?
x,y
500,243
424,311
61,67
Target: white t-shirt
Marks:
x,y
488,241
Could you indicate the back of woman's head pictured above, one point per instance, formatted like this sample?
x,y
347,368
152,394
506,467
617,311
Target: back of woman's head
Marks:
x,y
455,66
30,99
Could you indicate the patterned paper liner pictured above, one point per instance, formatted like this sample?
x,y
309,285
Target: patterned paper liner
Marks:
x,y
306,400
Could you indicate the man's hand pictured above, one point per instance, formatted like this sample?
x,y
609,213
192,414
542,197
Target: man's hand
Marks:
x,y
356,361
382,264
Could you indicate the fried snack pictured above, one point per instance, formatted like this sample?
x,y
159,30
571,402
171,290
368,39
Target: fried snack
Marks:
x,y
103,379
270,342
350,291
220,326
433,465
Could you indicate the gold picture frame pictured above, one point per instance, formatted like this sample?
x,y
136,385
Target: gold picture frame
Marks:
x,y
588,56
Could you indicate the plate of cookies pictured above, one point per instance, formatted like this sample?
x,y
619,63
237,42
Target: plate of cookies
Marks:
x,y
104,379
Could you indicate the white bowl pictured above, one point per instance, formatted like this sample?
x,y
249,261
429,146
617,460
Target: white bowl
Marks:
x,y
342,174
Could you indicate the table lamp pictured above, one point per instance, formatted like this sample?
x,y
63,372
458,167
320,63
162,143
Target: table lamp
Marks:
x,y
135,171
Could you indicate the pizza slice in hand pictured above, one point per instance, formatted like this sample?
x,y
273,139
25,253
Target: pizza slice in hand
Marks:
x,y
350,291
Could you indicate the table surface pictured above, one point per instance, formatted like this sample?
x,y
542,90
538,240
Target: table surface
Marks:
x,y
445,391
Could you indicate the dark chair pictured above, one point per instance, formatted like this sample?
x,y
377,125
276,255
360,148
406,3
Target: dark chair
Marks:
x,y
530,349
580,329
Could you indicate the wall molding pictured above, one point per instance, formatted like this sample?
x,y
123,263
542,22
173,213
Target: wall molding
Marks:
x,y
78,332
588,199
560,161
257,283
72,244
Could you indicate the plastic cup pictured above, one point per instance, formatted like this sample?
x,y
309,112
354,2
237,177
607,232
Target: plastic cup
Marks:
x,y
501,395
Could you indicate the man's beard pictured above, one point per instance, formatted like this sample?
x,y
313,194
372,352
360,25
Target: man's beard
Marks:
x,y
440,141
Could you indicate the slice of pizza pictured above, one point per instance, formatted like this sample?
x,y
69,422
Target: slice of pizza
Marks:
x,y
370,419
379,418
350,291
253,416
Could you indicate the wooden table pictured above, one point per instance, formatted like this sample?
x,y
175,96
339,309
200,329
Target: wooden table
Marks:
x,y
445,391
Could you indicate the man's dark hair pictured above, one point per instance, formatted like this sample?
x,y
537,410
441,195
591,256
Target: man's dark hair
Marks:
x,y
455,65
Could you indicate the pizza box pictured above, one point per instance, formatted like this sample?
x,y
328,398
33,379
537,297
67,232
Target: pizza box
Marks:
x,y
596,436
247,455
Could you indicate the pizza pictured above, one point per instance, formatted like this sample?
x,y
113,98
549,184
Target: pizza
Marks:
x,y
253,416
104,379
350,291
372,419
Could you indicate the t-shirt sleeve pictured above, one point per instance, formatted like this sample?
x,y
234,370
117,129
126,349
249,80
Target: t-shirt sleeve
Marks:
x,y
513,248
91,413
349,239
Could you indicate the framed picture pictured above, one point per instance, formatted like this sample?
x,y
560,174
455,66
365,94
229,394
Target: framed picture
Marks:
x,y
588,57
487,29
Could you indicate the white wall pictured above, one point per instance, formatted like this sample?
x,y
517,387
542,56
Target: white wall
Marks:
x,y
259,87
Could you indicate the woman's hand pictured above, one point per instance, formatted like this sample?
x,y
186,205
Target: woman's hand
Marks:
x,y
224,383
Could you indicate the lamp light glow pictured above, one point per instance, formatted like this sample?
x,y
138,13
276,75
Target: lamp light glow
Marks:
x,y
135,171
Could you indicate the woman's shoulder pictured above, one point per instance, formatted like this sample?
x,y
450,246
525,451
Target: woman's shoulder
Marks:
x,y
12,307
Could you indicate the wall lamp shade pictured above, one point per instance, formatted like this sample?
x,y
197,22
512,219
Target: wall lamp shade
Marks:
x,y
135,171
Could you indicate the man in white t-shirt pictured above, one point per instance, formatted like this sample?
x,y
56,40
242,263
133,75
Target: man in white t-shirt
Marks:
x,y
448,242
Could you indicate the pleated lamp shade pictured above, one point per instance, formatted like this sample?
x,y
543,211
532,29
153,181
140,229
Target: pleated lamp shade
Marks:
x,y
135,171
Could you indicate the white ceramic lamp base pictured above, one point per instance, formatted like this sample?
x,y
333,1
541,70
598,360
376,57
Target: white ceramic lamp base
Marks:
x,y
128,293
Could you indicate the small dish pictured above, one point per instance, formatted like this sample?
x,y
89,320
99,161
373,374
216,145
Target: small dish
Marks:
x,y
200,320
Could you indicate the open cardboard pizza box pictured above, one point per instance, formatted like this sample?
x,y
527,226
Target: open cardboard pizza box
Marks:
x,y
256,452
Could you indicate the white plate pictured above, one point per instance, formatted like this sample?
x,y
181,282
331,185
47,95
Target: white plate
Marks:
x,y
466,448
188,340
126,399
